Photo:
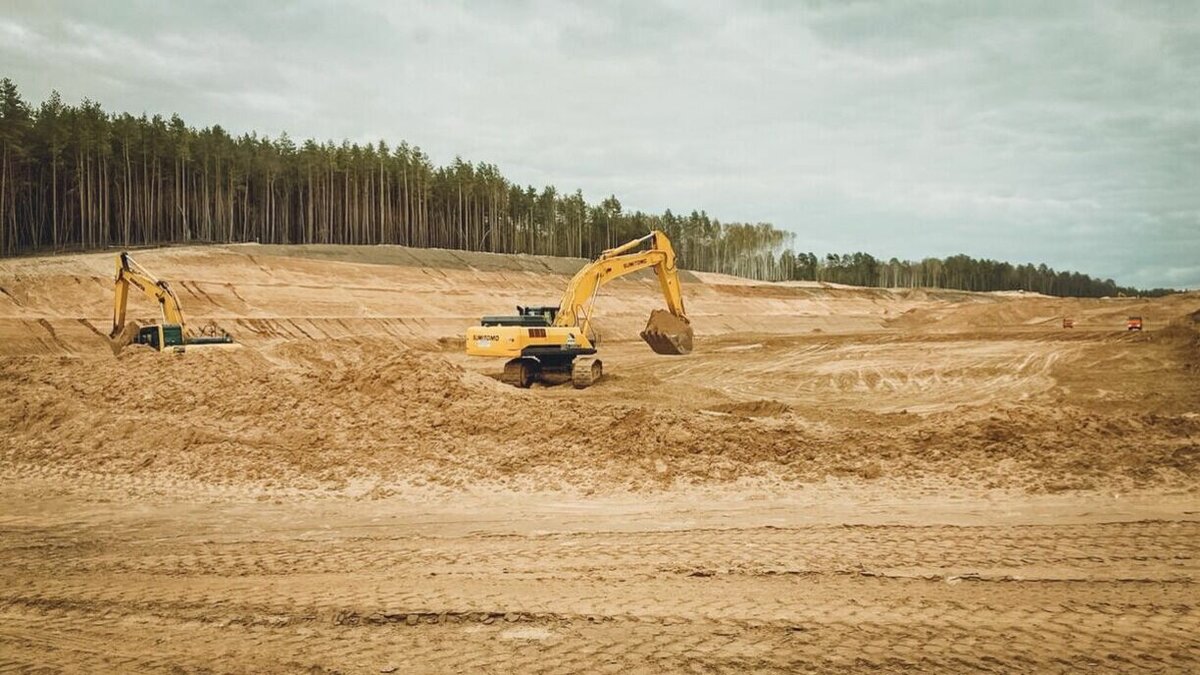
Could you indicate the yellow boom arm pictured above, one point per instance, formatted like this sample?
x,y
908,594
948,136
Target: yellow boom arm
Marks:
x,y
129,273
575,308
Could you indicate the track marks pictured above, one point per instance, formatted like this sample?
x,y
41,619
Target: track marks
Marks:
x,y
1116,597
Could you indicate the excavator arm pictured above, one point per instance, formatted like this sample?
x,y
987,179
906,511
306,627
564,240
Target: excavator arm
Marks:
x,y
129,273
614,263
667,332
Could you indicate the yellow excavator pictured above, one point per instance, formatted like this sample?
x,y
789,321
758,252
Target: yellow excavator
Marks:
x,y
552,344
171,331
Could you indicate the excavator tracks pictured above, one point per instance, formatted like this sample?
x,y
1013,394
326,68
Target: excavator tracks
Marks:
x,y
520,372
524,371
585,371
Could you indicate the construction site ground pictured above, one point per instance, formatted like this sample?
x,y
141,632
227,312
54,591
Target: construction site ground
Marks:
x,y
836,479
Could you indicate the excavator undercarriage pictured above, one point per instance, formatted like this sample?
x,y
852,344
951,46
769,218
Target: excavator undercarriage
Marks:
x,y
580,371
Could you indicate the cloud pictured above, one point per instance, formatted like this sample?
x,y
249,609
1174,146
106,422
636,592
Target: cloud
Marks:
x,y
1064,132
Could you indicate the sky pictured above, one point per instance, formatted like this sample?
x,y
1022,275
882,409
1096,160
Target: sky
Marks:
x,y
1059,132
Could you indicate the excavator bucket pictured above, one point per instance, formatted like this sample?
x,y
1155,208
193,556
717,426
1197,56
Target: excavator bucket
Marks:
x,y
667,333
123,337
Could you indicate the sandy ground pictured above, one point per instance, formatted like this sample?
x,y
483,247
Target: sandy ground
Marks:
x,y
836,479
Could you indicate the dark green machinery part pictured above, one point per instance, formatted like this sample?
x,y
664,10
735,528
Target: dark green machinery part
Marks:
x,y
172,336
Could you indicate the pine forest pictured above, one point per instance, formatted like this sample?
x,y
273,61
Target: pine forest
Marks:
x,y
75,177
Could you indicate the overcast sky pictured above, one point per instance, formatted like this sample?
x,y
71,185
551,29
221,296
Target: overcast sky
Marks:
x,y
1057,132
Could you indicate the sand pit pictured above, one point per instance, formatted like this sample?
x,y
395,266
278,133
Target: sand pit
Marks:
x,y
351,376
917,467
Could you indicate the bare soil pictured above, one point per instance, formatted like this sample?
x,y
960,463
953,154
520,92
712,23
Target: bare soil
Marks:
x,y
834,479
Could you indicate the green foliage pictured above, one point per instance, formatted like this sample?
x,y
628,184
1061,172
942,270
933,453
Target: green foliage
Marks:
x,y
958,272
77,177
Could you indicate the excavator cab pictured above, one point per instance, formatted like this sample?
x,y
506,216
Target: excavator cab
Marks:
x,y
526,316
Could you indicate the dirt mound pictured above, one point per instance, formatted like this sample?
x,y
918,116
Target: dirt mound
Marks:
x,y
323,414
319,413
761,408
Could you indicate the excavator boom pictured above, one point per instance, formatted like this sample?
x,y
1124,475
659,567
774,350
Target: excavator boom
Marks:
x,y
129,273
667,332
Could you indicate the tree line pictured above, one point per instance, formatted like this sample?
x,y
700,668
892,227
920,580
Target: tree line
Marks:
x,y
76,177
956,272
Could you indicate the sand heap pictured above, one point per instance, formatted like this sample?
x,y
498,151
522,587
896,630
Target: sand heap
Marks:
x,y
325,414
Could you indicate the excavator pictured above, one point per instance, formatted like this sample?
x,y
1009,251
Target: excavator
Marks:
x,y
553,344
171,331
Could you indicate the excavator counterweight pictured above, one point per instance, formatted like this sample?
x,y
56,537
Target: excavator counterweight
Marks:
x,y
556,344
